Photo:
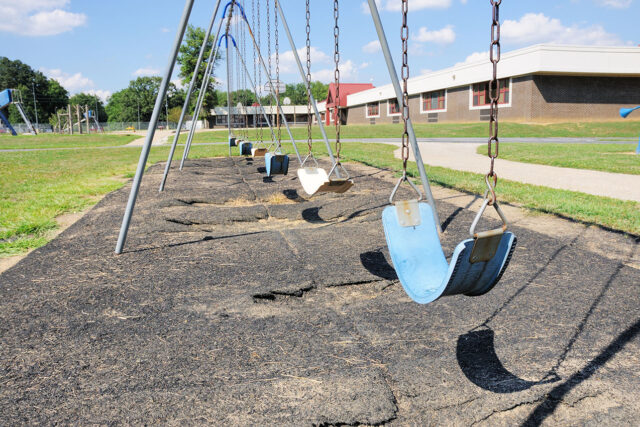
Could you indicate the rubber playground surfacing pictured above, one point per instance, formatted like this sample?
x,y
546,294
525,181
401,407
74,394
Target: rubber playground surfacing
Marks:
x,y
239,301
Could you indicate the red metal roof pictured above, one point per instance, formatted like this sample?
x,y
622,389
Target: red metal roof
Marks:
x,y
346,89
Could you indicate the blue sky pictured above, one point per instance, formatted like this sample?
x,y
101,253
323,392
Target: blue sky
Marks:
x,y
99,46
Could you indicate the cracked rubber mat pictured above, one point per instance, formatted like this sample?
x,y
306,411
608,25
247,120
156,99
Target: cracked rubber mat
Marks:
x,y
240,301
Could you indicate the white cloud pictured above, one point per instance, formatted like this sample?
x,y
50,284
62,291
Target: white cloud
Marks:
x,y
288,61
615,4
142,72
539,28
443,36
38,17
348,71
102,94
476,57
372,47
425,71
72,82
364,65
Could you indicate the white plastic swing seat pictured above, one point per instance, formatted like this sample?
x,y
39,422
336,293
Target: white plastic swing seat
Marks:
x,y
312,179
421,266
316,180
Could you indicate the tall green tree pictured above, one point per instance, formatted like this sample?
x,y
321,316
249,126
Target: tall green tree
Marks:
x,y
93,101
187,59
138,100
49,94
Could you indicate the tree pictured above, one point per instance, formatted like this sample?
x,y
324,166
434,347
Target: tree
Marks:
x,y
138,100
93,102
188,57
243,96
319,90
50,96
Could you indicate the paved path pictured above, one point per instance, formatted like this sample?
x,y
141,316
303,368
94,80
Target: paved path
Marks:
x,y
464,157
240,302
160,137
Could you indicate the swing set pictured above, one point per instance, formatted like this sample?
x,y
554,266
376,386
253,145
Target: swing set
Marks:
x,y
412,226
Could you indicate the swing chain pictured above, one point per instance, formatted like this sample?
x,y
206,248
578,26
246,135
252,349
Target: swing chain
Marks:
x,y
494,87
277,48
336,57
259,19
309,118
405,78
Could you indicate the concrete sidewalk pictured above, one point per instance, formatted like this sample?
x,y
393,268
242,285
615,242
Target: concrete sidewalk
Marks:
x,y
463,157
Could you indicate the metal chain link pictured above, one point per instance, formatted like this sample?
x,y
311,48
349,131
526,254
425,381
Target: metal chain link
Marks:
x,y
404,34
270,66
277,48
336,58
494,87
309,117
259,85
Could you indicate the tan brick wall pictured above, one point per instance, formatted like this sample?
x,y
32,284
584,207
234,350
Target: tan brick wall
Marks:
x,y
533,99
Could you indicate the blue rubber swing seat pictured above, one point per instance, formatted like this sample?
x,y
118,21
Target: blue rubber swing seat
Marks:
x,y
421,266
245,148
276,163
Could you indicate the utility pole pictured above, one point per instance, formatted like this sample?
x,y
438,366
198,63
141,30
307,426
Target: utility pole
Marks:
x,y
166,108
70,119
86,110
138,101
35,107
78,117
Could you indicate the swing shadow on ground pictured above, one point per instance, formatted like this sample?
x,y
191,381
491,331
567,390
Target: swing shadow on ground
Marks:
x,y
479,362
476,354
376,263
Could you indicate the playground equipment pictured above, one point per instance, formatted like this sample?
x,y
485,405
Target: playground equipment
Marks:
x,y
624,113
412,228
13,97
314,179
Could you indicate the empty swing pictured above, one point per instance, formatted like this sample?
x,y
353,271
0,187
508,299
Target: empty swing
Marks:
x,y
410,228
315,179
276,162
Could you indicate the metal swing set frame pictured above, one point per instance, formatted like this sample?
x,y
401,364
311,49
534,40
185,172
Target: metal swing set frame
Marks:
x,y
412,228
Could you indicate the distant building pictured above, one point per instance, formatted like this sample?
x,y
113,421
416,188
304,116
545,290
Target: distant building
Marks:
x,y
542,83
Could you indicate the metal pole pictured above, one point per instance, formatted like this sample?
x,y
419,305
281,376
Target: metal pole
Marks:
x,y
144,155
228,90
255,90
187,100
205,83
35,106
396,84
307,86
273,89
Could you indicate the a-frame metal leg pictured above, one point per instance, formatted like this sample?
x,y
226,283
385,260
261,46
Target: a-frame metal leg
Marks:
x,y
396,84
144,155
187,100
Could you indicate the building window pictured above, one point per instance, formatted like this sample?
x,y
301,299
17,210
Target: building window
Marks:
x,y
482,98
373,110
434,101
393,109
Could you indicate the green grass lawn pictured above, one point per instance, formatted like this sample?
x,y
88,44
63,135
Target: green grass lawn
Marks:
x,y
36,187
8,142
617,129
617,158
